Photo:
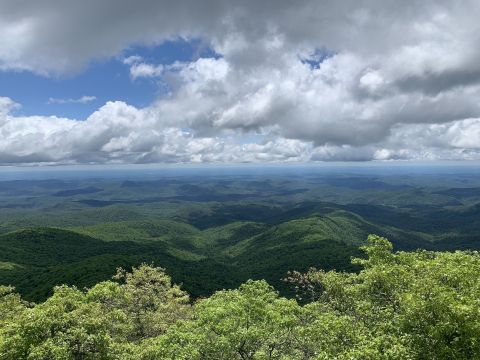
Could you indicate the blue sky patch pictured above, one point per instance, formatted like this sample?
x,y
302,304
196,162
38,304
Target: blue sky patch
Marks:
x,y
101,81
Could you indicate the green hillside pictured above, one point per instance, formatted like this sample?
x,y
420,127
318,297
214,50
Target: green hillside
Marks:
x,y
210,258
399,305
204,261
35,260
179,239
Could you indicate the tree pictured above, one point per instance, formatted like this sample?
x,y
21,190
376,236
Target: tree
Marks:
x,y
103,323
252,322
400,306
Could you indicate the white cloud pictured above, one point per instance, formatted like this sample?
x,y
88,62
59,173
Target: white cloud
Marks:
x,y
139,70
120,133
130,60
402,80
81,100
7,105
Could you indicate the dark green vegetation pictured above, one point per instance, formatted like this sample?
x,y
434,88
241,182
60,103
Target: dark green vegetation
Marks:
x,y
403,305
35,260
217,230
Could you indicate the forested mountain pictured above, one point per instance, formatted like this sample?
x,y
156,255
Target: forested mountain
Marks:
x,y
240,248
216,231
35,260
405,305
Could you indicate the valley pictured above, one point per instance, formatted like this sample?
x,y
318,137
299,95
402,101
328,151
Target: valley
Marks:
x,y
217,229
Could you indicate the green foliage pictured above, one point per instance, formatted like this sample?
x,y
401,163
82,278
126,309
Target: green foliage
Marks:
x,y
252,322
11,304
423,303
96,324
203,261
401,305
67,257
214,232
149,299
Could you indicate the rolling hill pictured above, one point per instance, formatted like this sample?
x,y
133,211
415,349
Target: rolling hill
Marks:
x,y
204,261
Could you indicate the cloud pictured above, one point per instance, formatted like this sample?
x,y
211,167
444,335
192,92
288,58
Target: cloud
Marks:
x,y
6,106
53,36
130,60
118,133
329,80
139,70
82,100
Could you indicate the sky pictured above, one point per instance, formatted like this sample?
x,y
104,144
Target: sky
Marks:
x,y
232,82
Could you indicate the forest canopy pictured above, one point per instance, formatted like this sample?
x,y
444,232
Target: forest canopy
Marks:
x,y
401,305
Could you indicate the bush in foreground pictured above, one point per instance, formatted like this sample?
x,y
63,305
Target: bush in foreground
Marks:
x,y
419,305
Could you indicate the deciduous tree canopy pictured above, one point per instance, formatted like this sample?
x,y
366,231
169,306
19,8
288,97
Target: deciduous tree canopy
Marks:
x,y
403,305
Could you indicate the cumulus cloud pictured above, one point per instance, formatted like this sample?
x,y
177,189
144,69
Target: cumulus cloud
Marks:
x,y
329,80
139,70
81,100
133,59
7,105
120,133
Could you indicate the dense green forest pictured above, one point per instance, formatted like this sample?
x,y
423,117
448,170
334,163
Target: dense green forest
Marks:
x,y
35,260
216,231
400,305
243,249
